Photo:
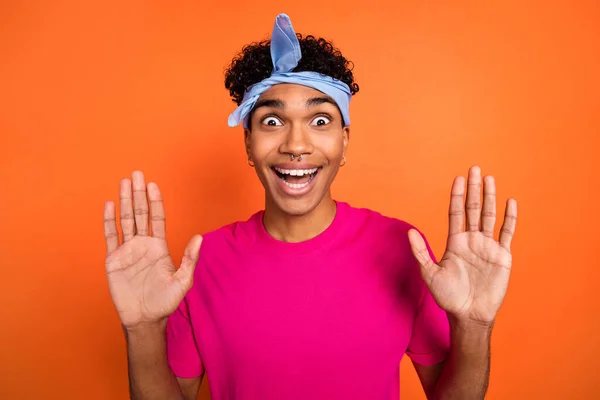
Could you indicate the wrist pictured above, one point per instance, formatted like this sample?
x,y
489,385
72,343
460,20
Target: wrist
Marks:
x,y
468,324
465,331
144,328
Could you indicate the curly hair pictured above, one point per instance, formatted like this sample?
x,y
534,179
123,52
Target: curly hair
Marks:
x,y
253,64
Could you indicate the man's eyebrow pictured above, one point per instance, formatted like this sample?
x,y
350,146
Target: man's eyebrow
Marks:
x,y
316,101
274,103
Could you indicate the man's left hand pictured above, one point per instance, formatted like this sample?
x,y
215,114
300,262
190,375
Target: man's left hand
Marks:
x,y
471,279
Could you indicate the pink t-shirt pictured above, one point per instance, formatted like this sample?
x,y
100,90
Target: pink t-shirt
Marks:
x,y
328,318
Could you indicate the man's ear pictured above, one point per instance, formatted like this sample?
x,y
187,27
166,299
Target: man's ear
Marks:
x,y
346,133
247,134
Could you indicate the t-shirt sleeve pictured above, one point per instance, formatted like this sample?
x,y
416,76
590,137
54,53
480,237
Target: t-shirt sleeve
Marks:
x,y
430,340
182,351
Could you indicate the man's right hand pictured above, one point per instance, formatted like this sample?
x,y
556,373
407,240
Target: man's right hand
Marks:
x,y
144,284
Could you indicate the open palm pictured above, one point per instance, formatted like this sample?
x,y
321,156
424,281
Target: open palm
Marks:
x,y
470,280
144,284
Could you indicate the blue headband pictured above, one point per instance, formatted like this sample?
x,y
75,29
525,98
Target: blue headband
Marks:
x,y
285,54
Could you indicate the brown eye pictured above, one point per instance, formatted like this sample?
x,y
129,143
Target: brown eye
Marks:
x,y
271,121
321,121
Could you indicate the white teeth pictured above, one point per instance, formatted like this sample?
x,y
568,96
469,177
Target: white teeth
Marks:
x,y
296,172
296,185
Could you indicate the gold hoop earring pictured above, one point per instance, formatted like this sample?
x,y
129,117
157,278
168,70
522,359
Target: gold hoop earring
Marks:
x,y
250,162
344,163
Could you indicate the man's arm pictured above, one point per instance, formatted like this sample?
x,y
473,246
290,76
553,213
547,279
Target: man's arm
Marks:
x,y
150,376
465,374
145,286
469,282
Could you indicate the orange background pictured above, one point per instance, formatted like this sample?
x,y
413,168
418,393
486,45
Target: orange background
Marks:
x,y
90,91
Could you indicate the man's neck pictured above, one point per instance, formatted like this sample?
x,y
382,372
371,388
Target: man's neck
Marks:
x,y
299,228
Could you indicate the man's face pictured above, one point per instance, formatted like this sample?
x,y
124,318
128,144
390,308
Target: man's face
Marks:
x,y
294,119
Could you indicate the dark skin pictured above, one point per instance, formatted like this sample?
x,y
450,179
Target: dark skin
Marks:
x,y
469,282
292,119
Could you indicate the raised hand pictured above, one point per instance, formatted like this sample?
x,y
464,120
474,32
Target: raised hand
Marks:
x,y
143,282
470,280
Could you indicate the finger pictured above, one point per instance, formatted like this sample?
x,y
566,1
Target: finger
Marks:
x,y
473,204
488,215
456,212
421,253
185,273
507,231
157,212
140,204
126,214
110,227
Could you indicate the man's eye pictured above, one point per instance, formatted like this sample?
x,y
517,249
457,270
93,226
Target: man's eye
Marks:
x,y
272,121
321,121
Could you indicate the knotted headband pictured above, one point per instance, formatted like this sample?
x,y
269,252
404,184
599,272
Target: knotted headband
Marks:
x,y
285,54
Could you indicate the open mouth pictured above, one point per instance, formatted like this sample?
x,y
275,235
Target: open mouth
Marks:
x,y
296,178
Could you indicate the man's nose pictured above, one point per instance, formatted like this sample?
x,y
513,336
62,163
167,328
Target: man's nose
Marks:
x,y
297,141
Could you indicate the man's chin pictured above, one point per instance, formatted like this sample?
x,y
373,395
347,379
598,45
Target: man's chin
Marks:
x,y
296,206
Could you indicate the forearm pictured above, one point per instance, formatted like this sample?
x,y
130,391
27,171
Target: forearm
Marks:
x,y
467,370
150,376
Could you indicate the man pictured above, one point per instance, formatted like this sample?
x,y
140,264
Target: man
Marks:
x,y
310,298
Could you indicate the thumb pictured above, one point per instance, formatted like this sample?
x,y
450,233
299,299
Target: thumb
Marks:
x,y
421,253
185,273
